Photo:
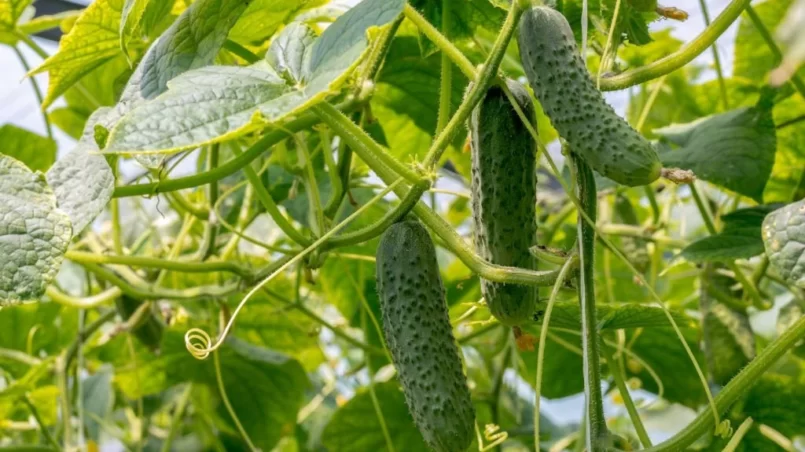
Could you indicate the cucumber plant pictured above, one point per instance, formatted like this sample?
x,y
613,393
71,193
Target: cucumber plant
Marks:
x,y
309,226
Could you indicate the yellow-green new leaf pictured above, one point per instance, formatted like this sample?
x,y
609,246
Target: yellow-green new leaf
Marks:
x,y
34,233
10,12
92,41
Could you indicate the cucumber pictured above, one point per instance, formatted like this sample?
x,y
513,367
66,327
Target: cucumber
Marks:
x,y
504,197
420,338
577,110
149,331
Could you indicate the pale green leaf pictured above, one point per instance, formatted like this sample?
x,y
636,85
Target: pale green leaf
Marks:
x,y
98,398
734,149
290,50
91,41
130,19
343,43
784,238
204,106
264,17
191,42
355,426
41,23
34,233
82,180
36,151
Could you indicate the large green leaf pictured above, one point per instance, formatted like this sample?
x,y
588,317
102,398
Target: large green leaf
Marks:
x,y
212,104
789,166
191,42
264,17
34,232
734,150
740,238
265,387
92,40
82,180
203,106
356,426
784,238
776,401
563,369
36,151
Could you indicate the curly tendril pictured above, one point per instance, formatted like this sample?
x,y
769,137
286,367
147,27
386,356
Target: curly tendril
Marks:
x,y
493,436
199,343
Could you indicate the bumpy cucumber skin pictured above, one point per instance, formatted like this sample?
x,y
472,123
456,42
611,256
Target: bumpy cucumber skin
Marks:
x,y
577,110
420,338
504,197
149,332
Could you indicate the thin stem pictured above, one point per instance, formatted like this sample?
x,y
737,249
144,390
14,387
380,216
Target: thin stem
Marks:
x,y
596,423
620,382
32,44
791,122
312,188
738,436
681,57
379,52
37,90
150,292
487,75
269,204
442,42
178,417
19,356
336,186
375,403
222,390
258,149
240,51
629,230
799,85
716,58
543,338
739,385
107,296
83,257
446,74
42,427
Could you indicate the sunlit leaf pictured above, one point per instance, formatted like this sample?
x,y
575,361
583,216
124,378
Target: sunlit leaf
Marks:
x,y
36,151
264,17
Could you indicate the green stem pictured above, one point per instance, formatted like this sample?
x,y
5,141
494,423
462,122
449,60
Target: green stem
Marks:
x,y
19,356
271,138
716,59
312,188
681,57
42,428
795,80
83,335
343,126
442,42
207,247
480,84
372,153
268,202
446,74
620,382
150,292
83,257
629,230
379,52
114,210
178,417
32,44
741,383
336,186
241,51
37,90
107,296
596,423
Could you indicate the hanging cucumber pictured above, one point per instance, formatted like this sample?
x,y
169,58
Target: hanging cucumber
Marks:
x,y
577,110
504,197
420,338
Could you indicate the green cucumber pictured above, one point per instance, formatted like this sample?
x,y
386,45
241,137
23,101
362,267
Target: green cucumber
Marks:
x,y
149,330
420,338
577,110
504,197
